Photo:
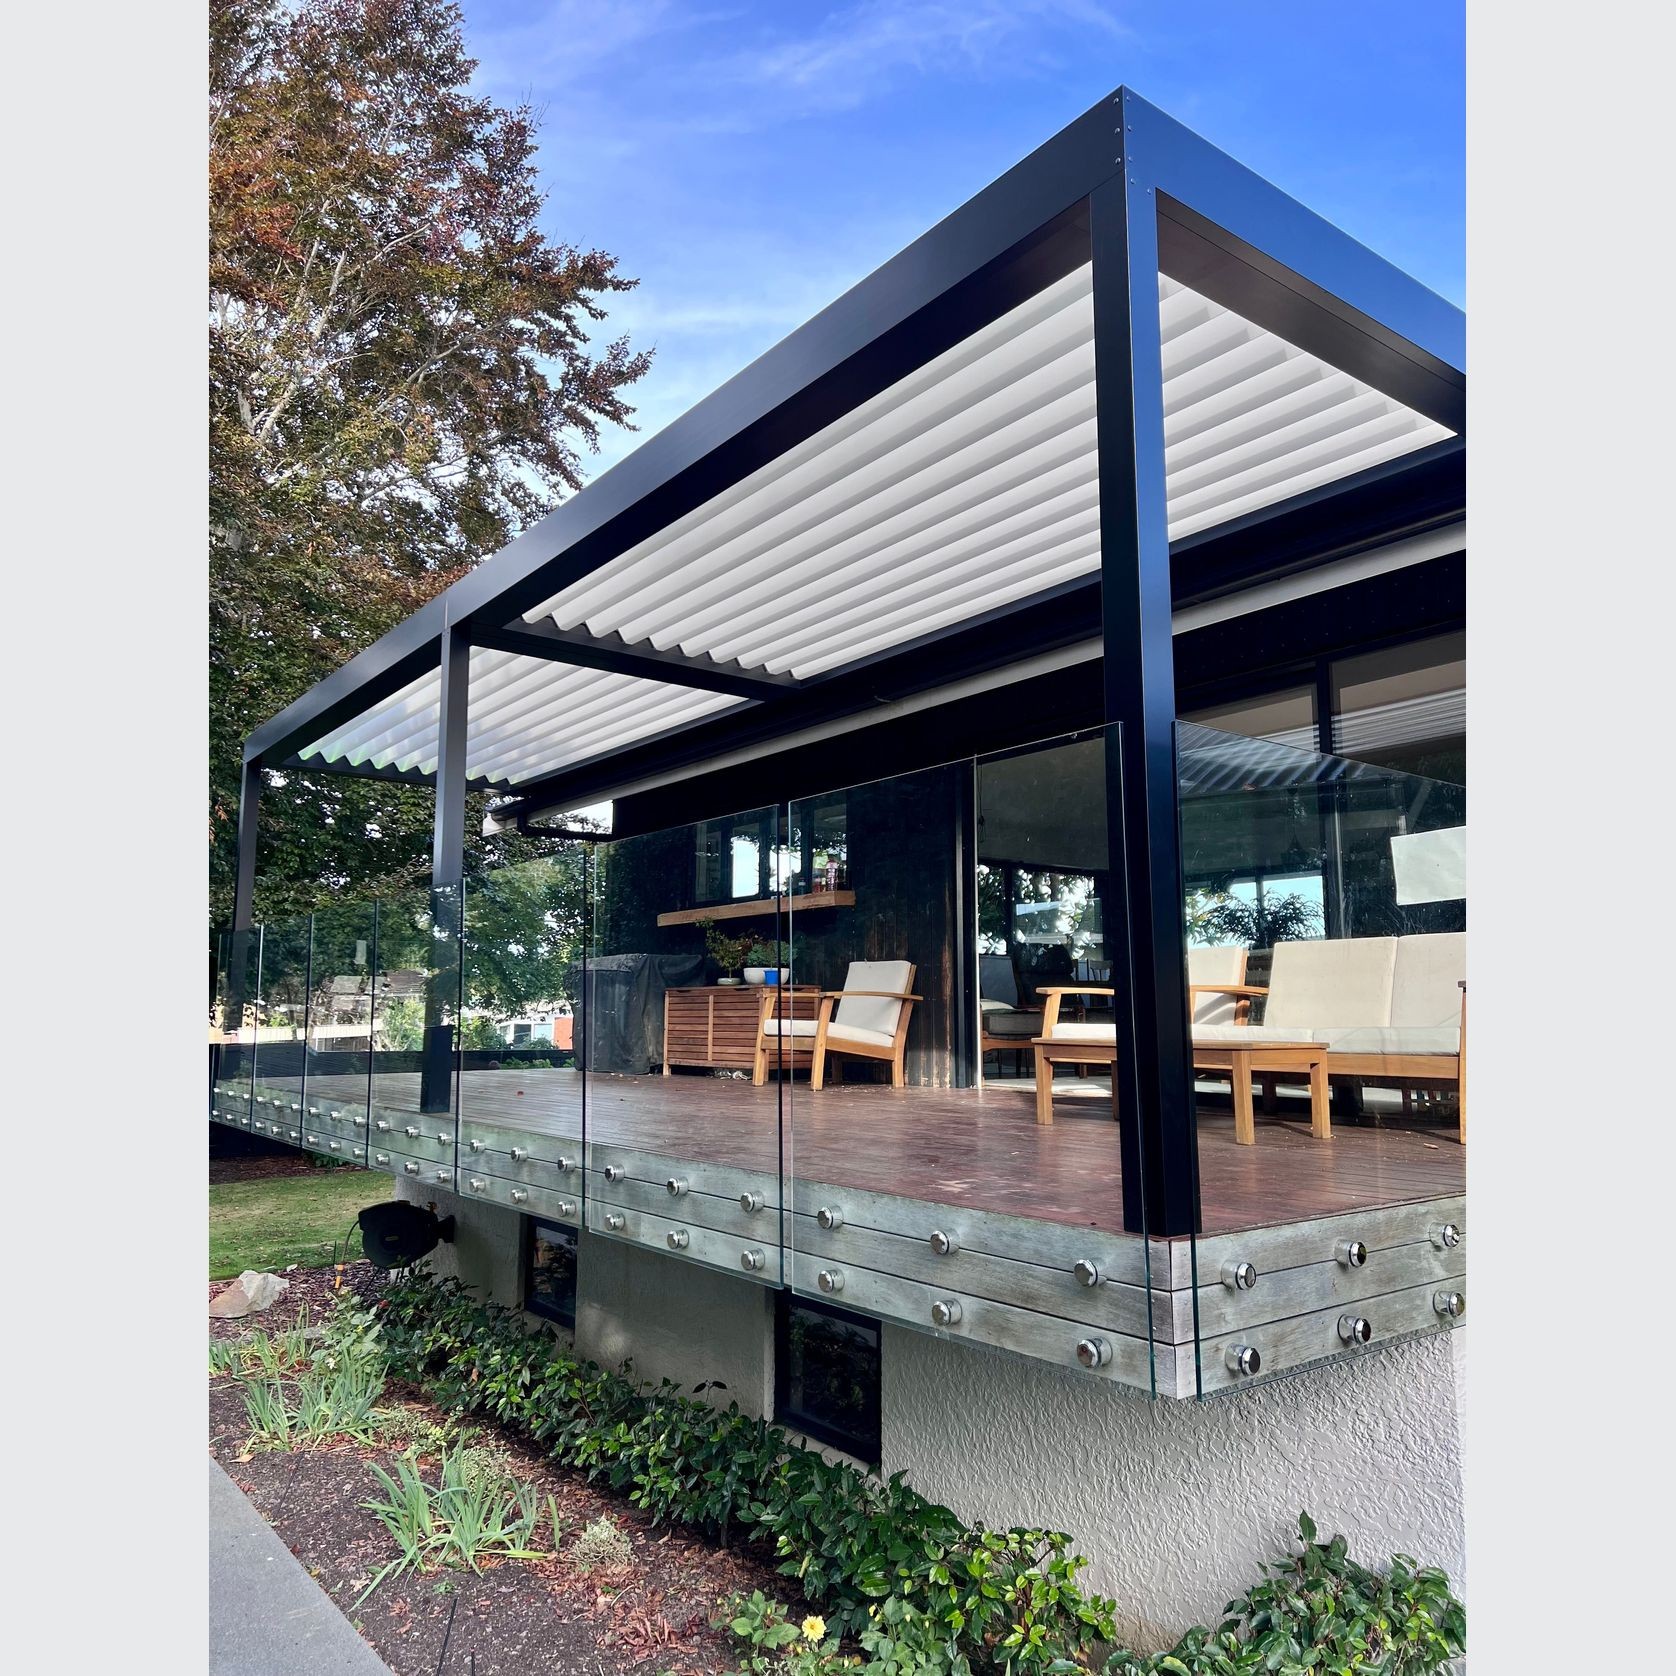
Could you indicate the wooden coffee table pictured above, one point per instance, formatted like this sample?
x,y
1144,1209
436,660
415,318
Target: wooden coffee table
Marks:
x,y
1243,1063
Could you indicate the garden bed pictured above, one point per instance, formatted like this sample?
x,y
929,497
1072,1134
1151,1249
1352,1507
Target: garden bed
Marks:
x,y
523,1510
650,1615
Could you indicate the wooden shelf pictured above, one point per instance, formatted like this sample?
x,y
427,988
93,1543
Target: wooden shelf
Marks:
x,y
762,905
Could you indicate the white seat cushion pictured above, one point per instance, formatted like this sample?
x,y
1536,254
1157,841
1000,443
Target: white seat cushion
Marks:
x,y
1341,981
1085,1033
789,1027
1248,1035
872,1012
1414,1038
1426,981
854,1033
1206,965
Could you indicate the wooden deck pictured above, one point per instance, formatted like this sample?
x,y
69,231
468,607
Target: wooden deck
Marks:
x,y
967,1147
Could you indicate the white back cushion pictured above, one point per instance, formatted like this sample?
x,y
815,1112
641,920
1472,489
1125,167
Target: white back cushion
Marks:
x,y
867,1012
1425,990
1340,981
1215,966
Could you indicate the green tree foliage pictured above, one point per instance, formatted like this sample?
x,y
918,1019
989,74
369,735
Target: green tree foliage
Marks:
x,y
401,378
1217,916
525,934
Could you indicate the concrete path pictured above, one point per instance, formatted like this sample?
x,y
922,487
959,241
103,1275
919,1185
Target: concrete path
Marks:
x,y
268,1617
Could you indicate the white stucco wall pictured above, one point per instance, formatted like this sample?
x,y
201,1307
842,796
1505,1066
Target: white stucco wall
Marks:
x,y
676,1320
1176,1503
485,1251
671,1320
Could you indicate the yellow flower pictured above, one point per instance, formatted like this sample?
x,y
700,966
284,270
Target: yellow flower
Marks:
x,y
814,1628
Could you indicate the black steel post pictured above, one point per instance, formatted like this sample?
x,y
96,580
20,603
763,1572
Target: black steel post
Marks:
x,y
1329,804
372,1021
442,998
966,1036
1149,956
308,1008
449,836
243,984
244,873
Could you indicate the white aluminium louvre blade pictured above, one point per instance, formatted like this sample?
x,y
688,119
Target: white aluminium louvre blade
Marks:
x,y
1067,492
414,696
945,581
1007,483
629,722
903,468
818,460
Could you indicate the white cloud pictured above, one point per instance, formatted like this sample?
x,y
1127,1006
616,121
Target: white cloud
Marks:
x,y
858,53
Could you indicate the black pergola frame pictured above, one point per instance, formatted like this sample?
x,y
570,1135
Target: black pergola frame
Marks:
x,y
1131,190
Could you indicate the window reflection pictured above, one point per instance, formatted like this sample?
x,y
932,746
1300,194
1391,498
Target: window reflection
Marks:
x,y
826,1375
550,1271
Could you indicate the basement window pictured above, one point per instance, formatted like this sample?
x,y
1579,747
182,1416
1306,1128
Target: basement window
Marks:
x,y
550,1271
826,1375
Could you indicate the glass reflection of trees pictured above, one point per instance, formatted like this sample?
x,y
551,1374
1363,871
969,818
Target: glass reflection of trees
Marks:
x,y
828,1368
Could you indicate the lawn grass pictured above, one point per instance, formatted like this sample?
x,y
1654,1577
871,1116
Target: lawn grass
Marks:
x,y
292,1219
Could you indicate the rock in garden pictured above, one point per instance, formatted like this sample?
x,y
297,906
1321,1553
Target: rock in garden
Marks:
x,y
246,1295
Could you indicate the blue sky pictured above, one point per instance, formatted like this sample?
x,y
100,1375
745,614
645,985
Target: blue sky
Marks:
x,y
749,162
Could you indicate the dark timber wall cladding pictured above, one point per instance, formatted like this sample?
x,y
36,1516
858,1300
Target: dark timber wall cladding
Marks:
x,y
904,853
904,847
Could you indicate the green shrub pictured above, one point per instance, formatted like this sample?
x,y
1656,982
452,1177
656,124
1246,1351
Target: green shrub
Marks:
x,y
1320,1611
882,1562
601,1547
774,1646
920,1591
458,1520
301,1388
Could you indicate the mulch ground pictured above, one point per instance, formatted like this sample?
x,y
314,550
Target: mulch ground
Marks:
x,y
519,1618
259,1169
310,1287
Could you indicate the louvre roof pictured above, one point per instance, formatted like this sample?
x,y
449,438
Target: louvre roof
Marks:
x,y
914,474
967,485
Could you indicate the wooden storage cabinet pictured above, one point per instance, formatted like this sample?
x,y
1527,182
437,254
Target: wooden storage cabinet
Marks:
x,y
715,1027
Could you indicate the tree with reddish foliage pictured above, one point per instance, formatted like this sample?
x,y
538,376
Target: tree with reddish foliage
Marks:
x,y
401,378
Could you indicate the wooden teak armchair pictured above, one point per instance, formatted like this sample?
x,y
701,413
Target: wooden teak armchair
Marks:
x,y
1068,1044
867,1018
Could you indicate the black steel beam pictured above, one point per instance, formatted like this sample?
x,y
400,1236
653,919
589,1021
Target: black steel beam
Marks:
x,y
546,640
1296,536
1004,244
1407,496
1041,623
1228,232
1149,954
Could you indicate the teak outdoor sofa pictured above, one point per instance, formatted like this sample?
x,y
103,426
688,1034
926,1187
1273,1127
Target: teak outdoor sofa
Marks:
x,y
1391,1008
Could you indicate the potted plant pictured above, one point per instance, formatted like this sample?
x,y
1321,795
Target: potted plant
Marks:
x,y
727,952
766,962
